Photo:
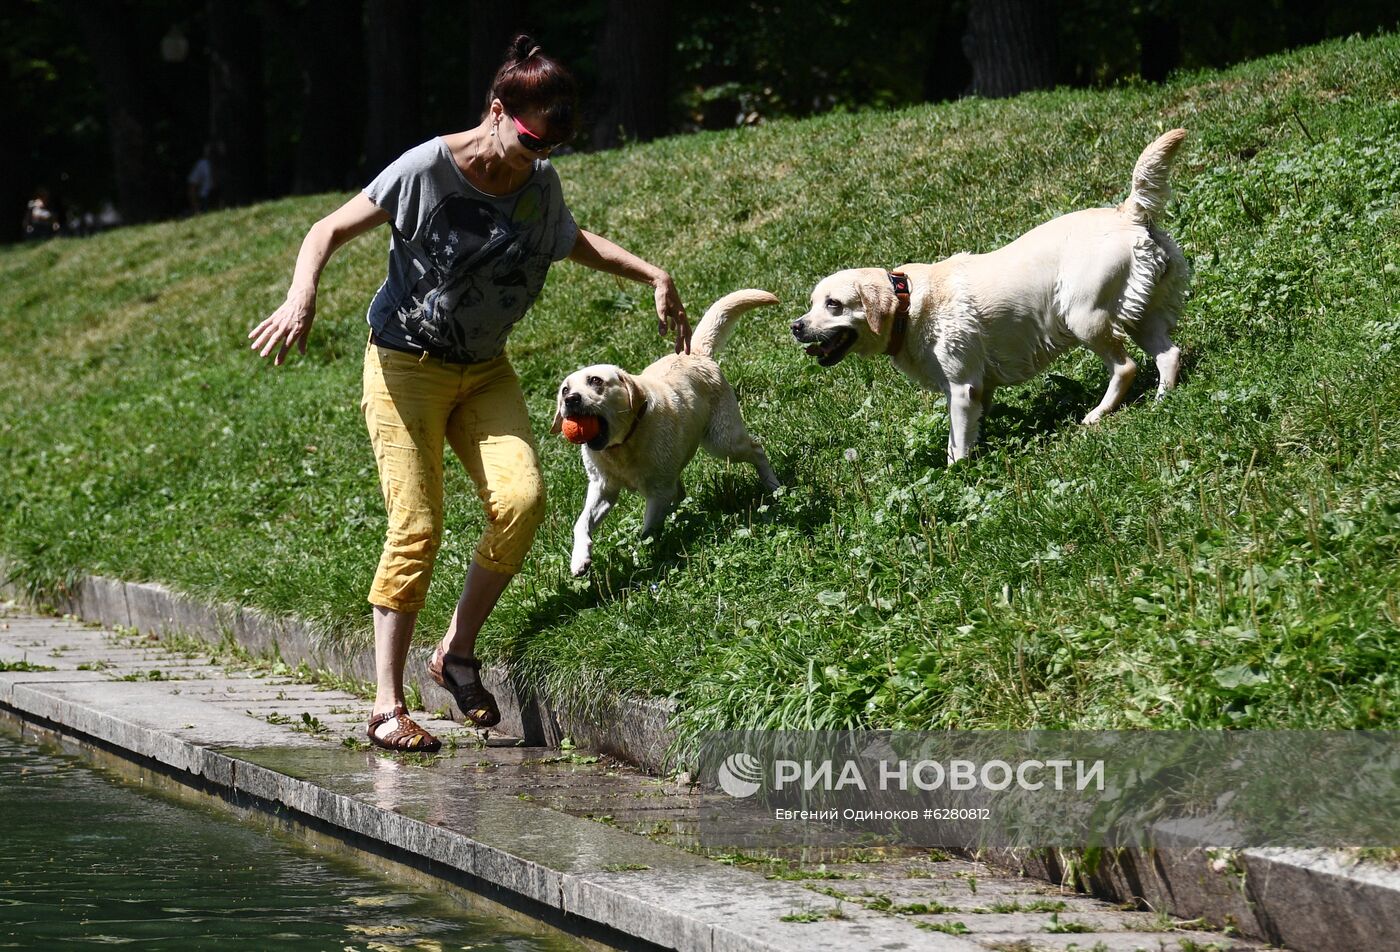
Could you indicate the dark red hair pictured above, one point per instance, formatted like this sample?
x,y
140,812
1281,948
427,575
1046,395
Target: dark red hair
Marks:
x,y
530,81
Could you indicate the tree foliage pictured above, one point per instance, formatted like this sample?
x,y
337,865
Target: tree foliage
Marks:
x,y
116,101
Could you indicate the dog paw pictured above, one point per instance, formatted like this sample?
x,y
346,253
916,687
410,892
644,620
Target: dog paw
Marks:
x,y
579,564
1092,417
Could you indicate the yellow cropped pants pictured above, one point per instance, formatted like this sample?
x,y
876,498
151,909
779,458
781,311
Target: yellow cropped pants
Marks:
x,y
412,405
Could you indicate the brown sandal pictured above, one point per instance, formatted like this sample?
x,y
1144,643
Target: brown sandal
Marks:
x,y
406,737
477,704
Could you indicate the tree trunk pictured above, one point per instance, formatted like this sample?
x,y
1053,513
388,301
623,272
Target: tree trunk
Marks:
x,y
141,191
633,73
236,125
493,25
947,74
331,68
1011,46
1159,36
393,51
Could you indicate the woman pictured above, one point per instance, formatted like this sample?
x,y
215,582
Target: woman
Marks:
x,y
476,219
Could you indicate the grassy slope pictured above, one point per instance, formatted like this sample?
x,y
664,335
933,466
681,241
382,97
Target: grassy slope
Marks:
x,y
1226,558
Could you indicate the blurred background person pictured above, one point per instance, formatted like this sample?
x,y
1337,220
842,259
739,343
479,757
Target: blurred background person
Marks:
x,y
40,218
199,184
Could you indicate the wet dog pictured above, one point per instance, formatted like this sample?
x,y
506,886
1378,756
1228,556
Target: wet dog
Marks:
x,y
972,323
650,424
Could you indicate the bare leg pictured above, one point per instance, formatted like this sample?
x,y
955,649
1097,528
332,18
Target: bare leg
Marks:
x,y
482,590
393,631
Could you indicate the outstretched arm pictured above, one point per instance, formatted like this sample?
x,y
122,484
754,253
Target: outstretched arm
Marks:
x,y
291,323
600,254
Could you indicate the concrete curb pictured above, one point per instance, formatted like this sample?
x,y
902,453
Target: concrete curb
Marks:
x,y
1300,899
631,729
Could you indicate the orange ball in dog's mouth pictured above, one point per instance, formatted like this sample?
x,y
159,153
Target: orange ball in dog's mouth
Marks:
x,y
580,429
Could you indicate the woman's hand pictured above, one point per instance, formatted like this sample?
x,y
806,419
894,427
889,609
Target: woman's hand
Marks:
x,y
670,313
596,252
289,324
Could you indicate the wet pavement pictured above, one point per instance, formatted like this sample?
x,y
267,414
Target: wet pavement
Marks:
x,y
578,833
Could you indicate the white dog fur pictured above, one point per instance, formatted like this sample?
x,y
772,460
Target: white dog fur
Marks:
x,y
651,424
978,322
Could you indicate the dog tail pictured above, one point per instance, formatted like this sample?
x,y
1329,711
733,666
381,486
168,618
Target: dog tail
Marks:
x,y
1151,188
713,331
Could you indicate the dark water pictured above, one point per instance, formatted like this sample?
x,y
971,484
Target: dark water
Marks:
x,y
87,859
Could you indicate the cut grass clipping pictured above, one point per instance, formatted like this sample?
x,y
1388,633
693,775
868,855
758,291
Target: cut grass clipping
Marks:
x,y
1225,558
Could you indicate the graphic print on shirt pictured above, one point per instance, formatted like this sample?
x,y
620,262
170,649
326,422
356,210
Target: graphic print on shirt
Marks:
x,y
474,251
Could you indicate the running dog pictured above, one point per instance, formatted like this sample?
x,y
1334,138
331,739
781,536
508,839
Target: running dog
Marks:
x,y
650,424
972,323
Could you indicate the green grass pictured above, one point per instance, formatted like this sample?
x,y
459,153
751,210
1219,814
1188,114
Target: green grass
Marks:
x,y
1225,558
24,666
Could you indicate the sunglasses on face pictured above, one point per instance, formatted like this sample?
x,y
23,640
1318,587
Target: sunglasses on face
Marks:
x,y
531,141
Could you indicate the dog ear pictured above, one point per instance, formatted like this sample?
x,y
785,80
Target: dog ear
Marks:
x,y
558,425
878,303
635,397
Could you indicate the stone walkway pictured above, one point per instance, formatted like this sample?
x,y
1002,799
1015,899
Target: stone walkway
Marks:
x,y
583,835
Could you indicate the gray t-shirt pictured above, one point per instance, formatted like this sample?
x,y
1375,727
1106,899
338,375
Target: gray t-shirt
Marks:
x,y
464,266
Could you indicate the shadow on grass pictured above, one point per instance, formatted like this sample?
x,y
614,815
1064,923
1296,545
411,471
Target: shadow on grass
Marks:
x,y
1061,402
1056,403
707,520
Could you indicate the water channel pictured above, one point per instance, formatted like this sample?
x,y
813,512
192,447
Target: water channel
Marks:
x,y
89,857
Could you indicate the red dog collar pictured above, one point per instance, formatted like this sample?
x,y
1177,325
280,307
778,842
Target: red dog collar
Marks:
x,y
899,283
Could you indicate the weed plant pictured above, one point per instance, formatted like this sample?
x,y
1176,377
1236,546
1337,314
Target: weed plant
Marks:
x,y
1226,558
